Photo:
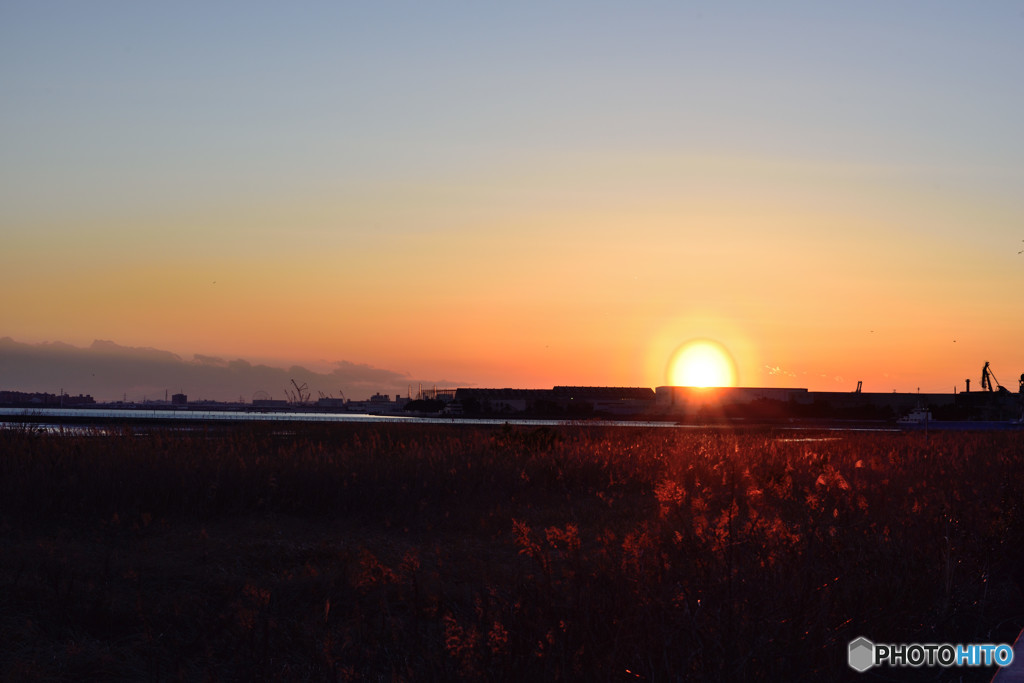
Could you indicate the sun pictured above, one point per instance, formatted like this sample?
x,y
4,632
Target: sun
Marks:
x,y
702,363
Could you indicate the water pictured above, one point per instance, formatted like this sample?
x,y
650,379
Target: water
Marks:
x,y
56,417
91,420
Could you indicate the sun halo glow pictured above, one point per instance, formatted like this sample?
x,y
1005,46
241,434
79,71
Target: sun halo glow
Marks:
x,y
702,363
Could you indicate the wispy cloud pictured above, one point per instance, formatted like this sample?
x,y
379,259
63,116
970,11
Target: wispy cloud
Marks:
x,y
776,371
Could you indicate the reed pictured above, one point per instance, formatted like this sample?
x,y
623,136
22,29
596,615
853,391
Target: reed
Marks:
x,y
369,552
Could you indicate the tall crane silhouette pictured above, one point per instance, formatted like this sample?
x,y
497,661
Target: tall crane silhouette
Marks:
x,y
301,393
989,381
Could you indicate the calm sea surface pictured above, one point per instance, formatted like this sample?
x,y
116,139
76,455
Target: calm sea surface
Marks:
x,y
100,420
63,416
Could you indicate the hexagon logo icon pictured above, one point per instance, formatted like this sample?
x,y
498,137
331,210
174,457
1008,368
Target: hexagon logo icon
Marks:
x,y
862,654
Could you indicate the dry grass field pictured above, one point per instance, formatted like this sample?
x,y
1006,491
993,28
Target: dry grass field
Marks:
x,y
403,552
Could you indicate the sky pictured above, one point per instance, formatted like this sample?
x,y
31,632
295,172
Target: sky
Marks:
x,y
521,194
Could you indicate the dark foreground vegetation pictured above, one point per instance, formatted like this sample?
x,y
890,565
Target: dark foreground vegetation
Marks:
x,y
396,552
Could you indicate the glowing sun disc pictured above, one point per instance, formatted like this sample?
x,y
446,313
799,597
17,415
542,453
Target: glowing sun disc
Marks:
x,y
702,363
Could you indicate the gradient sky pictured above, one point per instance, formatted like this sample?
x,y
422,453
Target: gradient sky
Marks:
x,y
522,194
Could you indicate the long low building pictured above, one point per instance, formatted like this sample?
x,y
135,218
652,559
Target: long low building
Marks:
x,y
687,398
694,398
768,402
697,403
561,399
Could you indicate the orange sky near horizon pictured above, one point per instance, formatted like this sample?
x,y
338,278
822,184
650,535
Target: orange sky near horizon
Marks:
x,y
599,297
569,213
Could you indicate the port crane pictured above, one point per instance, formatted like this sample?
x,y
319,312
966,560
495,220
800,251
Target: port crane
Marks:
x,y
989,381
300,395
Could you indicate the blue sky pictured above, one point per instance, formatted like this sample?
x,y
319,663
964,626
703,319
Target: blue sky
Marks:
x,y
273,94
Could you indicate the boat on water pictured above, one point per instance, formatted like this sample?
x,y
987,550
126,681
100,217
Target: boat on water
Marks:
x,y
916,416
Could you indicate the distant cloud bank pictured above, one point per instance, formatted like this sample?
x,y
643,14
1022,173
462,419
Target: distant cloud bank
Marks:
x,y
111,372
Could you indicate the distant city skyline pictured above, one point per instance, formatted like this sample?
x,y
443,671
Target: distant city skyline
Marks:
x,y
522,195
111,372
